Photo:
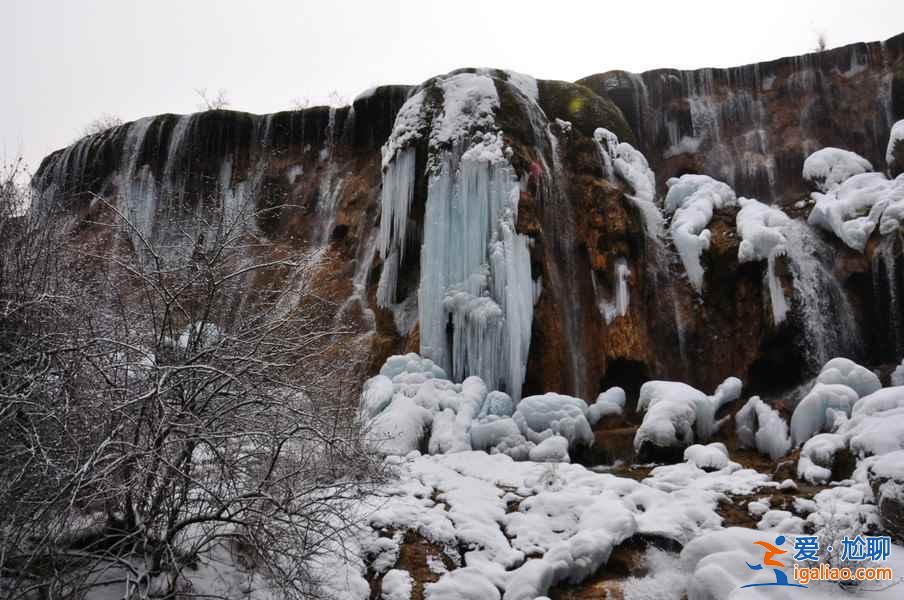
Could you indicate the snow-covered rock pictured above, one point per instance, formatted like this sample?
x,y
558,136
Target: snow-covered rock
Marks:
x,y
830,167
847,372
608,403
552,449
812,415
854,209
897,376
691,200
886,476
818,457
541,417
396,585
712,456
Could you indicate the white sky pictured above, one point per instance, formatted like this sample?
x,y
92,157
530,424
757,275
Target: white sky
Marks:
x,y
72,60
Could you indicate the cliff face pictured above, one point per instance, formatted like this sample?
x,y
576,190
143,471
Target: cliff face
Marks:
x,y
564,286
753,126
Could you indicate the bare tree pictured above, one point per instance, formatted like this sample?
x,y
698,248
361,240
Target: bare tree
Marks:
x,y
104,122
300,102
821,41
219,101
171,423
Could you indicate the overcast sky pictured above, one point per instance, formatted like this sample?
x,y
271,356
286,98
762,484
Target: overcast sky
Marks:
x,y
72,60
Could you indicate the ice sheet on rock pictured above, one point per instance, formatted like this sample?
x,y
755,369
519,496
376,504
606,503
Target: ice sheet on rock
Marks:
x,y
525,84
499,434
760,426
497,403
847,372
854,209
811,415
691,200
411,363
608,403
541,417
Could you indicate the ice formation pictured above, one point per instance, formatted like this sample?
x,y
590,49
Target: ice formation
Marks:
x,y
818,455
676,411
691,200
608,403
629,164
895,140
830,167
475,268
762,238
853,209
712,456
817,410
618,307
760,426
847,372
411,405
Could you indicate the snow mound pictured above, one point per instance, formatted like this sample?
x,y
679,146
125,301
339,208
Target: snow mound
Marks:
x,y
691,200
497,403
854,209
897,376
675,412
760,426
609,403
396,585
815,412
847,372
410,363
552,449
541,417
713,456
830,167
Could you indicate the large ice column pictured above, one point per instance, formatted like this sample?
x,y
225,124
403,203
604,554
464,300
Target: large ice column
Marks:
x,y
474,267
476,270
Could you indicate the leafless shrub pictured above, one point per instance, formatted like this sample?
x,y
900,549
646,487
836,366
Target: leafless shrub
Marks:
x,y
219,101
104,122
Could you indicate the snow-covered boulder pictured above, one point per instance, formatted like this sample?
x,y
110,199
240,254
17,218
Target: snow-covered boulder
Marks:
x,y
876,425
710,457
847,372
830,167
812,415
760,426
497,403
691,200
552,449
495,434
411,363
894,154
541,417
396,585
400,428
608,403
886,477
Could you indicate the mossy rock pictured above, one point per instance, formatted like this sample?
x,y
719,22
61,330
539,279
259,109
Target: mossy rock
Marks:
x,y
583,108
